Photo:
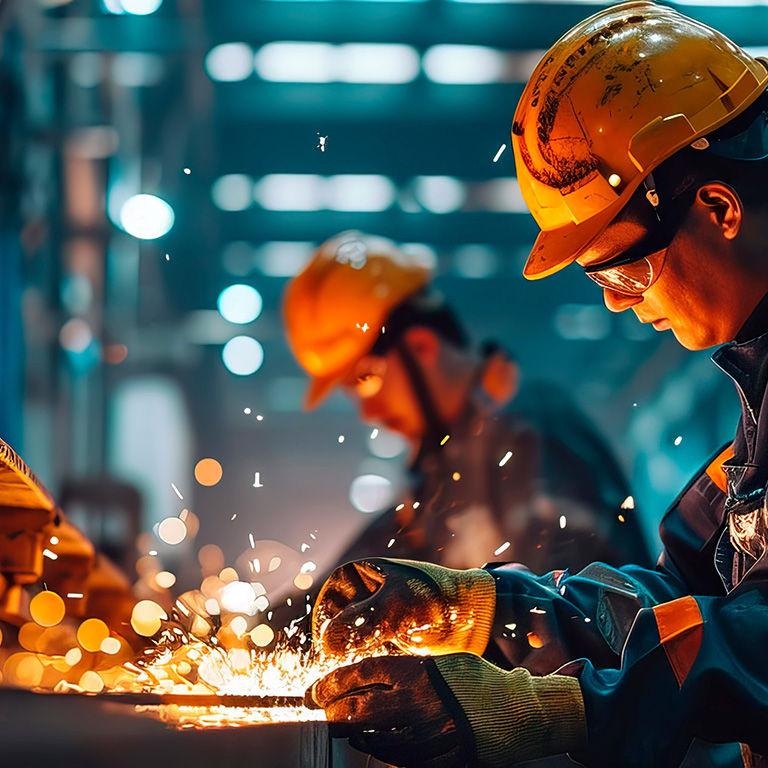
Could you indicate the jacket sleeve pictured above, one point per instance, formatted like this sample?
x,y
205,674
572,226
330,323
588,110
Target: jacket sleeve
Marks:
x,y
543,622
691,668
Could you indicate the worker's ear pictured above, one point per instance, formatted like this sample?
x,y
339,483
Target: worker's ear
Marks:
x,y
424,345
501,378
721,205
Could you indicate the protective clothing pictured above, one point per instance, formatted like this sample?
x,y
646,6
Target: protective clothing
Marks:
x,y
425,712
417,607
679,647
606,105
335,307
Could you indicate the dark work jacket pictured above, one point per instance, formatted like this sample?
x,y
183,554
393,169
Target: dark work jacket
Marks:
x,y
556,500
680,652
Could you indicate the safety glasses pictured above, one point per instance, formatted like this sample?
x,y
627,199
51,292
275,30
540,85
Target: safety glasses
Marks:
x,y
638,267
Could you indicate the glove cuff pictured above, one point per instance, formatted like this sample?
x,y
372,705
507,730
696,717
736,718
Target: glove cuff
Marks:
x,y
470,605
513,716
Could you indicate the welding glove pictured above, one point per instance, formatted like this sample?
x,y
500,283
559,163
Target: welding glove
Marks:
x,y
451,711
418,607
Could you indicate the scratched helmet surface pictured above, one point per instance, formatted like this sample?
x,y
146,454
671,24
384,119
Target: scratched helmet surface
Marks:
x,y
610,101
335,307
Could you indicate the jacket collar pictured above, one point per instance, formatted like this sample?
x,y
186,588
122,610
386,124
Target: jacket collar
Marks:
x,y
746,359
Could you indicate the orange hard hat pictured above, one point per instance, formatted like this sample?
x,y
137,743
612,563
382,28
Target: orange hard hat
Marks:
x,y
611,100
334,309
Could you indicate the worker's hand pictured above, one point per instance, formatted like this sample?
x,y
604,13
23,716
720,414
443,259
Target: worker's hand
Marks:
x,y
418,607
451,711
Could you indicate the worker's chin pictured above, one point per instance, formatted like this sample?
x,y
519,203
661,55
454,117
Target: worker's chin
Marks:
x,y
696,339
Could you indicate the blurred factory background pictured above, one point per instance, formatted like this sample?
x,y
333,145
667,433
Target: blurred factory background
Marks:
x,y
166,166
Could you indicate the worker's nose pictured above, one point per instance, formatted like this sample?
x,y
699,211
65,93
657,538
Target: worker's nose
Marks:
x,y
618,302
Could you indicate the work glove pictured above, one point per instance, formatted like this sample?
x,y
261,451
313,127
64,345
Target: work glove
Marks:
x,y
419,608
451,711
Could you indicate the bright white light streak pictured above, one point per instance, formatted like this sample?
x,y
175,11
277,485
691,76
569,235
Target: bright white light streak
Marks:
x,y
498,154
507,456
385,63
288,62
253,543
51,555
678,440
563,521
391,542
74,595
503,548
369,193
464,64
229,62
290,192
374,434
341,438
628,503
177,491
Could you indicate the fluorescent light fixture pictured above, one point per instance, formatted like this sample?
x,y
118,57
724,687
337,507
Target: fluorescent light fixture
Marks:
x,y
376,63
439,194
146,217
464,64
233,192
290,192
283,258
287,62
140,7
502,196
359,192
240,304
229,62
475,261
242,355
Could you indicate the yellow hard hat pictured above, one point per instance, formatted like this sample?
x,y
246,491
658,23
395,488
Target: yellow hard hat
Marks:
x,y
611,100
334,309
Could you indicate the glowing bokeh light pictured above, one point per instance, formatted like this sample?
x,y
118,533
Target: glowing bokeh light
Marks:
x,y
47,608
229,62
208,472
146,217
91,634
240,304
172,531
147,618
243,355
370,493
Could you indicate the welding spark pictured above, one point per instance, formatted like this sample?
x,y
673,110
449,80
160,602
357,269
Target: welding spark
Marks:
x,y
259,418
391,542
341,438
537,610
445,440
253,543
167,256
498,154
177,491
374,434
321,140
257,481
507,456
503,548
247,411
628,503
416,504
313,537
74,594
399,507
54,540
187,171
562,521
678,440
304,547
52,555
233,516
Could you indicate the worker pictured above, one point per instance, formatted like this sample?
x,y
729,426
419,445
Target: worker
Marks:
x,y
641,143
490,469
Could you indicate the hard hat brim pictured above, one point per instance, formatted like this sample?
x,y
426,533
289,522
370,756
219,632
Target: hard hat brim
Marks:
x,y
319,389
557,248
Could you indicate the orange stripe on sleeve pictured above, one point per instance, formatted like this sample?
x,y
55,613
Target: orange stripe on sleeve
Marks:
x,y
680,626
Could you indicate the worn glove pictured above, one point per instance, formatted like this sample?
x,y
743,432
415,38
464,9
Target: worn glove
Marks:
x,y
418,607
451,711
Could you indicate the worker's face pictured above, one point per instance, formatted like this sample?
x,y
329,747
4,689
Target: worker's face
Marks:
x,y
696,292
382,390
